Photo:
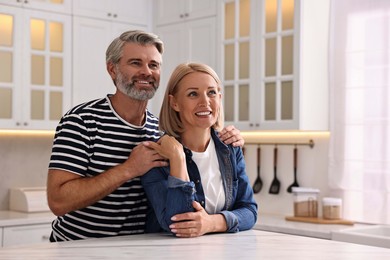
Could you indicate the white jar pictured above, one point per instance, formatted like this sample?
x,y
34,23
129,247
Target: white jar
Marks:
x,y
331,208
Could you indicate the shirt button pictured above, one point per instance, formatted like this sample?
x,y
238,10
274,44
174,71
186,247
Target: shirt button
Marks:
x,y
202,202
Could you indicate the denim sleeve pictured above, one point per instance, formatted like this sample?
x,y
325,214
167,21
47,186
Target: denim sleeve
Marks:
x,y
243,214
167,195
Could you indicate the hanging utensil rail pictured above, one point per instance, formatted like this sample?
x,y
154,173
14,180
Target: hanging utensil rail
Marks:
x,y
310,143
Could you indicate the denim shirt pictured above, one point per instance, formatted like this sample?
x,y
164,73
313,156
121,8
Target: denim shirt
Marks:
x,y
169,196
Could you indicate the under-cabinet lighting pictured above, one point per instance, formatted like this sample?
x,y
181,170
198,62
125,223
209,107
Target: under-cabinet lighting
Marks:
x,y
48,133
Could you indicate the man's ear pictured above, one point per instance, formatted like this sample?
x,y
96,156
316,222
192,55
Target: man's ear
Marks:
x,y
111,70
173,103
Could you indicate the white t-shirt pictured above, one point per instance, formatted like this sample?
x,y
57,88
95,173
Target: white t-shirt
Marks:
x,y
210,174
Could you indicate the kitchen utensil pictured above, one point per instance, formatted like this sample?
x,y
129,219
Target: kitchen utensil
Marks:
x,y
295,183
275,184
258,184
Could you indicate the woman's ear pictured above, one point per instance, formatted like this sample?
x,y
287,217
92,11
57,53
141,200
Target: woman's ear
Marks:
x,y
173,103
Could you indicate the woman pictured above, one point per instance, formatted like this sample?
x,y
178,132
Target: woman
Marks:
x,y
206,176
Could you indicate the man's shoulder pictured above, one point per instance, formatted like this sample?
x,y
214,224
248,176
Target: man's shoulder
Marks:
x,y
90,107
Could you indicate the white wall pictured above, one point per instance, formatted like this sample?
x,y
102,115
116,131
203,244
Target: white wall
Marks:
x,y
23,162
311,171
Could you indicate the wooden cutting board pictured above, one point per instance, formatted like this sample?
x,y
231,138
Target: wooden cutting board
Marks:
x,y
320,220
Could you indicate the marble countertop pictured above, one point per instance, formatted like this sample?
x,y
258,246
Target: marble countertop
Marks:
x,y
15,218
278,223
252,244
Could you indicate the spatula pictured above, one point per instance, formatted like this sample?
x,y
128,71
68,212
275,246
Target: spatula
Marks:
x,y
258,184
275,184
295,183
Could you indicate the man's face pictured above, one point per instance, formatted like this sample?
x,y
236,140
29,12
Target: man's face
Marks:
x,y
137,74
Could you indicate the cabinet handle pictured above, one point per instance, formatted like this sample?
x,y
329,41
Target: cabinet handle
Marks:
x,y
109,14
25,124
251,125
25,1
115,15
17,123
181,16
186,15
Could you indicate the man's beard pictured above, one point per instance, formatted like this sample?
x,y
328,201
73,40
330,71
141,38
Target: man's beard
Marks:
x,y
128,88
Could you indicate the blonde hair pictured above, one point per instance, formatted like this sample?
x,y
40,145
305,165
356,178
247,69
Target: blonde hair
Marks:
x,y
169,120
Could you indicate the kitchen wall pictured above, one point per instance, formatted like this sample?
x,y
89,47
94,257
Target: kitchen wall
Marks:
x,y
24,158
312,167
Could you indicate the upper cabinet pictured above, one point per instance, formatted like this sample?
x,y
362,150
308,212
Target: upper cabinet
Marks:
x,y
35,77
177,11
274,56
192,37
58,6
128,11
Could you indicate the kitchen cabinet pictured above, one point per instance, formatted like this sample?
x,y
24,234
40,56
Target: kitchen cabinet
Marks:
x,y
275,75
26,234
178,11
35,56
62,6
129,11
91,38
183,42
1,236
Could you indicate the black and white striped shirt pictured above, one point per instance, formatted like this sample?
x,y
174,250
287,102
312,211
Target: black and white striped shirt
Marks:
x,y
91,138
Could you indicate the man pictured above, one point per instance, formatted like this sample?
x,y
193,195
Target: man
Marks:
x,y
98,156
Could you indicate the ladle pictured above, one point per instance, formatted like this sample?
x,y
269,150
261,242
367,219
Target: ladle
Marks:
x,y
258,184
295,183
275,184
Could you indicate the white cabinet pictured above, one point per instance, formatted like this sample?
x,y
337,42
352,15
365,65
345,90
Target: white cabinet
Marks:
x,y
183,42
173,11
1,237
26,234
130,11
64,6
275,75
91,38
35,60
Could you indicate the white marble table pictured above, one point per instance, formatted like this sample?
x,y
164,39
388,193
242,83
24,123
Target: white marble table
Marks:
x,y
253,244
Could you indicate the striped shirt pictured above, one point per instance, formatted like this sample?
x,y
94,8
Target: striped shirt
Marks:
x,y
92,138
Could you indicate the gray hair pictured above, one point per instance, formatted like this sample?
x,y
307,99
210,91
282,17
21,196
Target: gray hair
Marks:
x,y
114,50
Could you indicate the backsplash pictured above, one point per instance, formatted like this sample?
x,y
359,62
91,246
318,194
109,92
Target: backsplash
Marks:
x,y
24,160
312,168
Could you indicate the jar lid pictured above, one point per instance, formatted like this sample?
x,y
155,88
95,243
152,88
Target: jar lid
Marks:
x,y
331,201
304,190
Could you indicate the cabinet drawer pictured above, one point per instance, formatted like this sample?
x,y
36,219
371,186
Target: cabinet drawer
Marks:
x,y
27,234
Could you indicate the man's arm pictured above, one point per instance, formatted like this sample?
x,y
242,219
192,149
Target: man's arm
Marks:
x,y
231,135
67,191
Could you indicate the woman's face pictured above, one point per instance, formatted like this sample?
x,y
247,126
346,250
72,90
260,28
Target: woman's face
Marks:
x,y
198,100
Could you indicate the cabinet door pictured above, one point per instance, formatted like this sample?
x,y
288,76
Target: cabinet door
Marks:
x,y
45,69
190,41
10,64
62,6
28,234
171,11
130,11
1,237
91,39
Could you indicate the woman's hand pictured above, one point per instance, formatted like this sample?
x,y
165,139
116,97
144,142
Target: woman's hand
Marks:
x,y
231,135
171,149
198,223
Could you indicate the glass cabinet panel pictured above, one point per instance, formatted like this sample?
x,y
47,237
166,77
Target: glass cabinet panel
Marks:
x,y
6,66
287,55
37,34
270,57
244,18
287,100
287,14
244,103
56,36
270,101
271,15
37,70
37,104
229,62
56,68
229,20
6,30
229,103
244,60
5,103
55,105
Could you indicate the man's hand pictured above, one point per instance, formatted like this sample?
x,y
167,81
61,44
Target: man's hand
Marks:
x,y
198,223
231,135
